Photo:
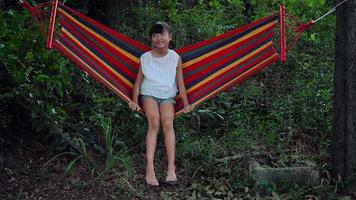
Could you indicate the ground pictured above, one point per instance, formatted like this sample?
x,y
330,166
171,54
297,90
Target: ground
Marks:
x,y
29,171
22,177
25,173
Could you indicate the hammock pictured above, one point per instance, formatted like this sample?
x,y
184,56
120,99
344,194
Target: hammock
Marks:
x,y
209,67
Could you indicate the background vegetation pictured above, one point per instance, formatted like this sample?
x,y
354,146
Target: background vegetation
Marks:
x,y
281,117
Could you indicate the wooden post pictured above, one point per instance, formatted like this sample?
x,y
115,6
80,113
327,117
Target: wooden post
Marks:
x,y
52,23
282,13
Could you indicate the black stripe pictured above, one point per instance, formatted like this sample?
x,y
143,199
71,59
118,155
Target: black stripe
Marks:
x,y
70,45
122,44
232,52
218,83
202,77
208,48
117,58
97,53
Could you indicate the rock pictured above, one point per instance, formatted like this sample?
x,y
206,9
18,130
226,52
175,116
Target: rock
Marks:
x,y
287,176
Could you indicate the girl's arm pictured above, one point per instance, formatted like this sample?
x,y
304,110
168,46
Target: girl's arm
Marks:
x,y
181,87
136,90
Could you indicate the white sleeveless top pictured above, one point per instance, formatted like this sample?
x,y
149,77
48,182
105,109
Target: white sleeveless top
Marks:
x,y
159,75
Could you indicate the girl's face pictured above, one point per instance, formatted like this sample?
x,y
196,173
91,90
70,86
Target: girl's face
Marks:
x,y
161,40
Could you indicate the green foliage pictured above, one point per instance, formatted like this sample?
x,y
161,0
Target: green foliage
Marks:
x,y
305,10
204,20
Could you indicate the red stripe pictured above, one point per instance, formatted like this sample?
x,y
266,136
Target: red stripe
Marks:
x,y
84,68
109,77
205,89
117,53
179,105
225,51
211,85
112,75
253,72
193,77
97,46
128,60
111,31
115,84
222,36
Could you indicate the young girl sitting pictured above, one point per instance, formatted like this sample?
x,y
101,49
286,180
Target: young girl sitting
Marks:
x,y
159,75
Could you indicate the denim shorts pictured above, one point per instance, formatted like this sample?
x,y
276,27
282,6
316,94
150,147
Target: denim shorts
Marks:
x,y
158,100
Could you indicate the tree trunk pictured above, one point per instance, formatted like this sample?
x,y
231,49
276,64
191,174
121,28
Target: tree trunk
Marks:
x,y
96,10
77,4
343,147
7,4
2,4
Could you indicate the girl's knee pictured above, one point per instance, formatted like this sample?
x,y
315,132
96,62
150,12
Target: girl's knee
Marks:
x,y
153,122
167,124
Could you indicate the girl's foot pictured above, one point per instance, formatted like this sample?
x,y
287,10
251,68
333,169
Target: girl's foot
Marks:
x,y
171,175
151,178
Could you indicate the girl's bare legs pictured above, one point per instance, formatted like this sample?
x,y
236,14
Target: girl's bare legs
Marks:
x,y
152,113
167,117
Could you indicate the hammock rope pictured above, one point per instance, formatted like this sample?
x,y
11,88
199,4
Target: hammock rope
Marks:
x,y
330,11
302,27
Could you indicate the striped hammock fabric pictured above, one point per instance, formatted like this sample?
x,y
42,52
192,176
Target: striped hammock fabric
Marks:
x,y
209,67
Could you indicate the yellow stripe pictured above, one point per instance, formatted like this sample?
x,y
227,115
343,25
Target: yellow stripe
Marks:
x,y
220,88
127,54
93,71
221,71
96,57
262,28
238,77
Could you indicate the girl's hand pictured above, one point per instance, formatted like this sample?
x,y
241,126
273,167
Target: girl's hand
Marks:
x,y
188,108
134,106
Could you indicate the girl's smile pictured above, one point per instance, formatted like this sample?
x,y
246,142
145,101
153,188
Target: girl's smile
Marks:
x,y
161,40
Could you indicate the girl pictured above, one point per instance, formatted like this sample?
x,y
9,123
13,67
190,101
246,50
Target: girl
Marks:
x,y
157,79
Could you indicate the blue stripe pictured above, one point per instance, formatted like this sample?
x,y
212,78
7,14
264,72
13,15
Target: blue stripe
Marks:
x,y
201,78
122,44
97,68
97,53
198,52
